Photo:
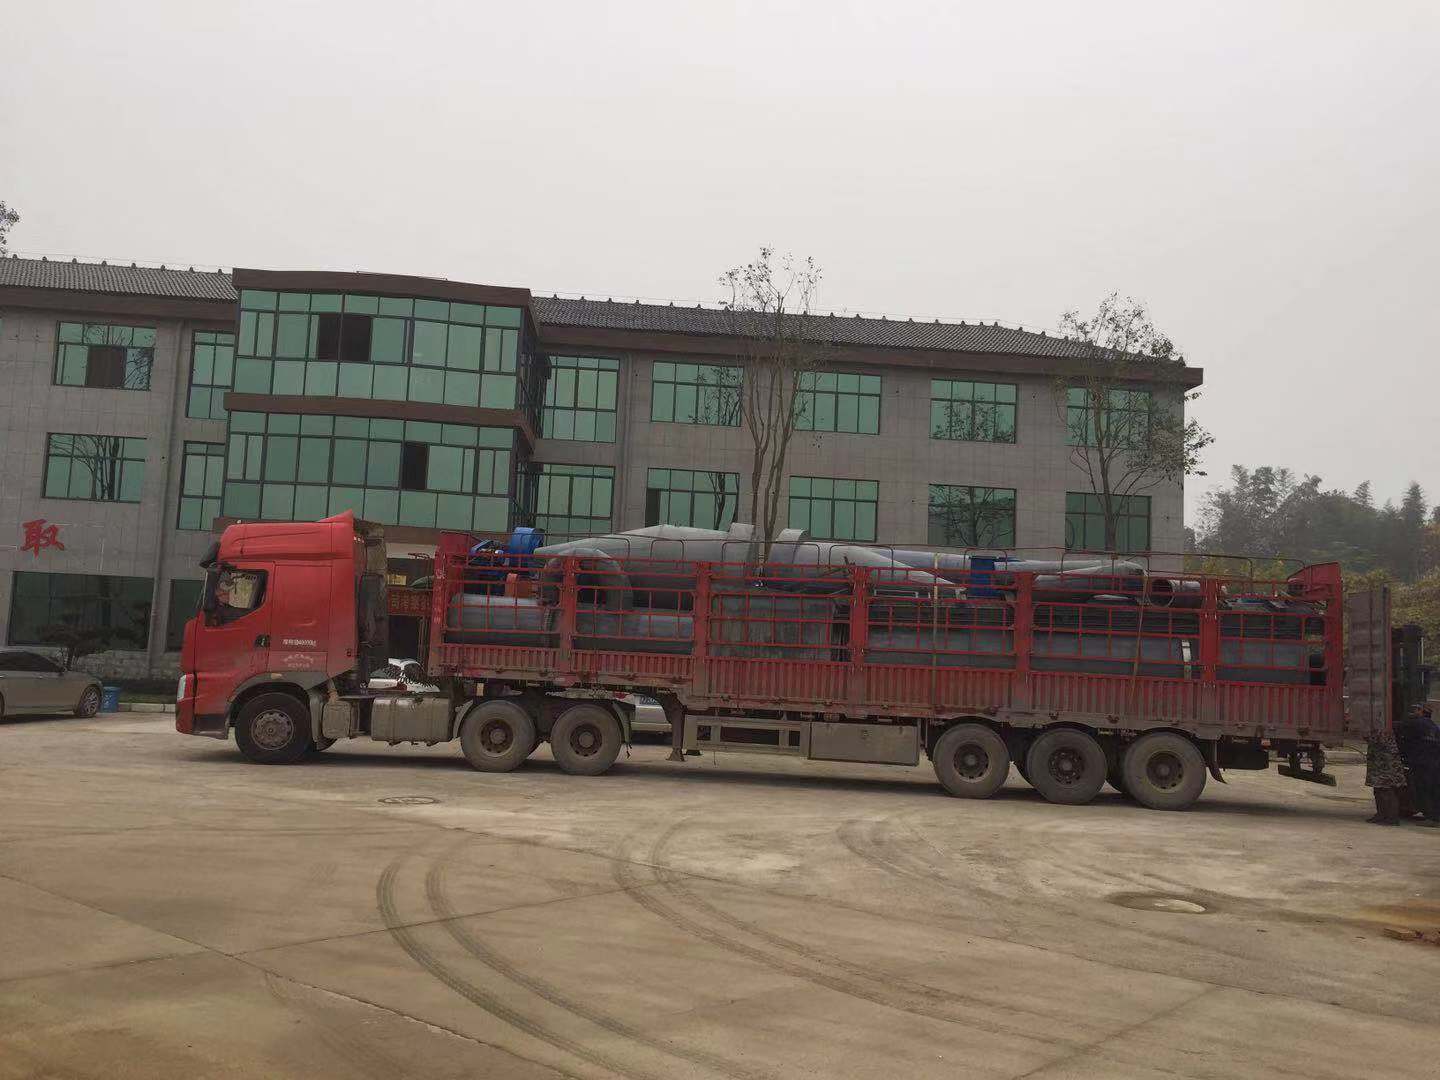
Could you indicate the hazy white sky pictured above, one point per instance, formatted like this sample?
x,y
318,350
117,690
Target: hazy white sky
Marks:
x,y
1265,175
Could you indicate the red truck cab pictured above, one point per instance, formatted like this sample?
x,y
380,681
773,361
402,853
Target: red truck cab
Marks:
x,y
287,608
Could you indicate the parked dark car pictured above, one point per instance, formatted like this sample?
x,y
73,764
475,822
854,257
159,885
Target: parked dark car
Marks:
x,y
31,683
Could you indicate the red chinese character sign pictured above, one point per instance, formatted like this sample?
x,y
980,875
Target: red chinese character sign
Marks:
x,y
40,534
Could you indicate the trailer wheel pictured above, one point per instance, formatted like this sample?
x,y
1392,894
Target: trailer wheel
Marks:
x,y
585,740
971,761
1066,766
497,736
273,729
1164,771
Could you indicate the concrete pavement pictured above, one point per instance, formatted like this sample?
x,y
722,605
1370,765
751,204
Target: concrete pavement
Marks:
x,y
167,910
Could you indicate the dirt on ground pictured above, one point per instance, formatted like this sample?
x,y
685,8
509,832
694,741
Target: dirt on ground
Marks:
x,y
169,911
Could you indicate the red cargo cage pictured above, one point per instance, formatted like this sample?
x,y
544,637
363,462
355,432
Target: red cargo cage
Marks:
x,y
1209,654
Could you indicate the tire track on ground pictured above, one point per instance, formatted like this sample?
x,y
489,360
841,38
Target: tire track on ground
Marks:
x,y
439,903
898,998
492,1003
907,864
1098,909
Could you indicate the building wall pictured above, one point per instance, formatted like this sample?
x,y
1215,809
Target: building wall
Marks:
x,y
142,540
902,457
126,539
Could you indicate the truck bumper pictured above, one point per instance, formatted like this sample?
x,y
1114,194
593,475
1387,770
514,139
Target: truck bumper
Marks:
x,y
187,722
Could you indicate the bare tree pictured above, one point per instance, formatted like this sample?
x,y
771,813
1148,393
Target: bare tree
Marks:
x,y
770,301
8,218
1124,411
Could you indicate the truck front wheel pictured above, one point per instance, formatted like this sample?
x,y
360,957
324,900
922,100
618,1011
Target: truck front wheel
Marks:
x,y
1164,771
971,761
273,729
586,740
497,736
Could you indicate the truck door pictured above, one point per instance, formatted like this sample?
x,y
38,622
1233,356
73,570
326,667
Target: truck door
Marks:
x,y
1367,661
233,639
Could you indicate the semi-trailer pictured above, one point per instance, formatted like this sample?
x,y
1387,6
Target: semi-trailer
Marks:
x,y
1077,670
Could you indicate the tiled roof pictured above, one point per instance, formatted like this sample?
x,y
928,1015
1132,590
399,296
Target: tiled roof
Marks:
x,y
119,279
116,279
832,329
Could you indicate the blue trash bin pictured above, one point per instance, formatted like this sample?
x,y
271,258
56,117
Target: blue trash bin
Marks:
x,y
110,699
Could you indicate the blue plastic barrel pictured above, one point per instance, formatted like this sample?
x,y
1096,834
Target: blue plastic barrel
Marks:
x,y
110,699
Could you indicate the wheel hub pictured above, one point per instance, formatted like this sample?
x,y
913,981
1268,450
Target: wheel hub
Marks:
x,y
1165,770
1067,766
273,729
972,762
497,736
585,740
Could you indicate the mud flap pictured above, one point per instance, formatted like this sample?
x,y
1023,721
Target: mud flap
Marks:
x,y
1212,760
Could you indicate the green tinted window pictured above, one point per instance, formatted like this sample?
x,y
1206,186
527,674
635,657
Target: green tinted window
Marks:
x,y
202,479
702,498
1085,523
972,411
104,356
970,517
1108,417
831,509
288,467
842,402
212,372
580,397
573,500
100,468
696,394
375,347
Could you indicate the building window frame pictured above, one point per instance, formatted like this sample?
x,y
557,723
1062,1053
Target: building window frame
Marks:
x,y
202,484
212,373
572,380
1127,415
846,403
699,498
1085,523
96,607
683,392
582,486
114,463
971,516
974,410
292,467
414,349
130,366
842,509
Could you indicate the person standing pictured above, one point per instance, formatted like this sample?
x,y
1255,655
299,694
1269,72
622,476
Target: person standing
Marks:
x,y
1418,739
1385,775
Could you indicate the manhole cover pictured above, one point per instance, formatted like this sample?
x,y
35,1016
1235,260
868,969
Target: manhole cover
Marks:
x,y
408,800
1156,902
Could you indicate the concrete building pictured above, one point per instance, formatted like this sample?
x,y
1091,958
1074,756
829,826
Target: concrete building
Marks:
x,y
151,406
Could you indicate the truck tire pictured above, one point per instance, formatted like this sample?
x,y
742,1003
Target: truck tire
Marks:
x,y
273,729
586,740
971,761
1164,771
497,736
1066,765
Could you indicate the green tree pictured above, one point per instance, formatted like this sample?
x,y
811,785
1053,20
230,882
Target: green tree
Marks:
x,y
1124,412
